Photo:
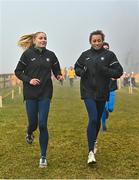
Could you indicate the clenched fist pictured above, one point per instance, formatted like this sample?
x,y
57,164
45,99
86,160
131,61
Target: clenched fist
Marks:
x,y
34,82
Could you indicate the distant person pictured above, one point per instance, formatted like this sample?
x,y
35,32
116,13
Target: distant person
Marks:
x,y
125,79
71,75
133,79
131,82
34,69
65,73
96,66
109,106
62,73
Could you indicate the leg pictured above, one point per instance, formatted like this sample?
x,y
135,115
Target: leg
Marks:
x,y
111,101
72,82
44,106
32,113
100,108
104,117
92,123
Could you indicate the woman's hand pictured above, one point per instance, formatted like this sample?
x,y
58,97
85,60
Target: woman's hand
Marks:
x,y
34,82
60,78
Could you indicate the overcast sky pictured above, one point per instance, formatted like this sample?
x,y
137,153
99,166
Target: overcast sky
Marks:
x,y
68,24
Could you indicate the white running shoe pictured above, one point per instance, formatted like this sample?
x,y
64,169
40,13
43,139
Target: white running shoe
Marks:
x,y
91,158
43,162
95,148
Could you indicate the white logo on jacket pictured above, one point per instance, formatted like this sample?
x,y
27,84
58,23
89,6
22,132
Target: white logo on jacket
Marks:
x,y
87,59
33,59
102,58
47,59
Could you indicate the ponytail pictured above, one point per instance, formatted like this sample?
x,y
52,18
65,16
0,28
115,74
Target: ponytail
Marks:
x,y
26,41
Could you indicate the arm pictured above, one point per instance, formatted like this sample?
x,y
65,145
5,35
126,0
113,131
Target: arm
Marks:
x,y
20,69
114,70
80,67
56,68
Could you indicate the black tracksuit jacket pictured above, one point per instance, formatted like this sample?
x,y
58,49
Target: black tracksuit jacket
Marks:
x,y
36,64
113,85
96,67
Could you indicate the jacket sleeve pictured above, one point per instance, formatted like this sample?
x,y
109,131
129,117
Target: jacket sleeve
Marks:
x,y
114,70
20,69
80,67
56,66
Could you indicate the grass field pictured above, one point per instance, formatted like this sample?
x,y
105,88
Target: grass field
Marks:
x,y
118,148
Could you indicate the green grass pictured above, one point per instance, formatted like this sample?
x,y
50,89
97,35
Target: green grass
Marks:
x,y
118,148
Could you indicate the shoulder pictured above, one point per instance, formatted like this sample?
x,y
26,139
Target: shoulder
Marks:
x,y
86,52
110,53
50,52
28,51
51,55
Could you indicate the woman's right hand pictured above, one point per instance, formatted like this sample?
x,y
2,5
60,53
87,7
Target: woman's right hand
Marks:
x,y
34,82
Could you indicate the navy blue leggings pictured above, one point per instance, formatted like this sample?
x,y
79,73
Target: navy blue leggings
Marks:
x,y
95,110
37,112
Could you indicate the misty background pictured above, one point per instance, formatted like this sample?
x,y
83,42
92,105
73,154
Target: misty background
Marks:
x,y
68,24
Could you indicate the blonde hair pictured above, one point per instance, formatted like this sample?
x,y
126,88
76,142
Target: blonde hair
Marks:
x,y
26,41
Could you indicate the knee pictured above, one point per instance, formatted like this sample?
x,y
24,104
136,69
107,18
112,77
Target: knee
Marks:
x,y
42,127
33,126
92,122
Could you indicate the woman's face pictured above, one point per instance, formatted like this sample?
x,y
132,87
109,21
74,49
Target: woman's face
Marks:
x,y
40,40
96,41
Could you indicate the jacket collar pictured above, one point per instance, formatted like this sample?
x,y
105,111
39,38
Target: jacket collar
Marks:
x,y
38,51
97,51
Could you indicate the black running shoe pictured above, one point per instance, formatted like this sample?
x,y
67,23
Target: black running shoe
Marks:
x,y
29,138
104,128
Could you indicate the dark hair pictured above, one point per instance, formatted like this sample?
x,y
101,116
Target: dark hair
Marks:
x,y
106,44
97,32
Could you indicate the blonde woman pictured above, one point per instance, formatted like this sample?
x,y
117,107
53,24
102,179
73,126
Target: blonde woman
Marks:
x,y
34,69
